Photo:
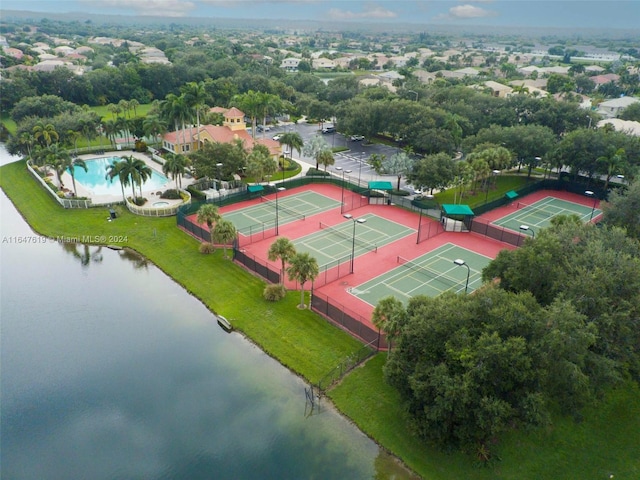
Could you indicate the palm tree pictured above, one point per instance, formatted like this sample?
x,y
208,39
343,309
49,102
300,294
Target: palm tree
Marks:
x,y
176,109
325,157
154,126
73,135
123,125
175,166
608,164
293,140
71,166
59,159
224,232
46,132
282,249
389,316
195,95
302,268
313,148
251,104
208,213
269,103
26,140
134,104
116,169
142,172
115,110
111,129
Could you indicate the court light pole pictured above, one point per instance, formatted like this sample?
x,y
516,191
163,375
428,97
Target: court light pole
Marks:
x,y
342,193
459,262
353,241
589,193
364,154
527,228
219,166
279,189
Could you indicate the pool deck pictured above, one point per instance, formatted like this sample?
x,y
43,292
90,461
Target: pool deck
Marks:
x,y
150,193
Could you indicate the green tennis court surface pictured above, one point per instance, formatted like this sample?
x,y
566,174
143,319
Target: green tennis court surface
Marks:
x,y
540,213
334,243
430,274
290,209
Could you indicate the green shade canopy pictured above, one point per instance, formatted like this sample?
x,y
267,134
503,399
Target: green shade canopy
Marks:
x,y
255,188
450,209
380,186
511,194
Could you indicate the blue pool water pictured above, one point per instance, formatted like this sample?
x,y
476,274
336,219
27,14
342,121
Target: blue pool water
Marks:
x,y
94,179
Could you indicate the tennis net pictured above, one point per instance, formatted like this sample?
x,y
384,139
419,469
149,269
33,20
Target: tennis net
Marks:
x,y
290,211
347,236
427,272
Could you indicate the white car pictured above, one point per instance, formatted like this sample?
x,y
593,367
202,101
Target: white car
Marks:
x,y
357,138
277,137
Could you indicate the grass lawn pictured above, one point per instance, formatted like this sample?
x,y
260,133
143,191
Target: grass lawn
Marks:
x,y
504,183
605,443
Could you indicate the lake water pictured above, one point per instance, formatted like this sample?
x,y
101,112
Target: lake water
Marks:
x,y
112,371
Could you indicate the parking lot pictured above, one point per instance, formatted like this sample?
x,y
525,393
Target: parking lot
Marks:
x,y
354,159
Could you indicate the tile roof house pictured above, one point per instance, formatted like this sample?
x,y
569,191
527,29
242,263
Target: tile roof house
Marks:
x,y
233,128
612,108
604,79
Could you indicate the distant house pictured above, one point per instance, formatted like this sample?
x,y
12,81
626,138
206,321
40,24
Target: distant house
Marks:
x,y
323,64
424,76
496,89
600,80
626,126
612,108
468,71
233,128
290,64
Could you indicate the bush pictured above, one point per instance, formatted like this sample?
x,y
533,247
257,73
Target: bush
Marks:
x,y
314,172
196,194
400,193
274,293
139,201
140,146
171,194
206,248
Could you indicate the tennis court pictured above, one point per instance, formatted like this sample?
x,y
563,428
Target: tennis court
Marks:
x,y
539,214
334,243
290,209
430,274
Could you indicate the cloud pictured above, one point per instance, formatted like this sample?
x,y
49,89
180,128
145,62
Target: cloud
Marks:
x,y
156,8
470,11
371,12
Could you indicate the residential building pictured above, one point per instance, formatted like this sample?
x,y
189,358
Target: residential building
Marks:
x,y
612,108
233,128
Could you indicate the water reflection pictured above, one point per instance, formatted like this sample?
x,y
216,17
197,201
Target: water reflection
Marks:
x,y
82,252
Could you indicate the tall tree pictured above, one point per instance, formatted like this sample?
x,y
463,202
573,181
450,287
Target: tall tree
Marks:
x,y
293,140
71,165
251,104
175,166
282,249
397,164
390,316
208,213
302,268
314,146
46,132
196,97
224,232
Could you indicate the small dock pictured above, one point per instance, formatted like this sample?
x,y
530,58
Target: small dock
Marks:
x,y
224,323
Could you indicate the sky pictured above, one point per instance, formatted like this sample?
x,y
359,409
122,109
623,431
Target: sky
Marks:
x,y
605,14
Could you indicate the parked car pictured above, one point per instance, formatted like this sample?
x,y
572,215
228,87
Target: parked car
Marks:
x,y
277,137
264,128
357,138
329,130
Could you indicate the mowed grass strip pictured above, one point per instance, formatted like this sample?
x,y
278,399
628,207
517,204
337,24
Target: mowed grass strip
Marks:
x,y
300,340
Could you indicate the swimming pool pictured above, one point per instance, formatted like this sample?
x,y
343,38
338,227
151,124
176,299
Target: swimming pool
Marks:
x,y
94,179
